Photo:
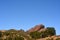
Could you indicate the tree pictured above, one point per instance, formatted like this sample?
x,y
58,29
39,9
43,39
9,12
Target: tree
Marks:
x,y
51,31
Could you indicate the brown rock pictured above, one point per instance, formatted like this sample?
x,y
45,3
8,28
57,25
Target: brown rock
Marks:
x,y
36,28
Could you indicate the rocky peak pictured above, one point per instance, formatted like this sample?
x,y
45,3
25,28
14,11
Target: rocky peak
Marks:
x,y
37,28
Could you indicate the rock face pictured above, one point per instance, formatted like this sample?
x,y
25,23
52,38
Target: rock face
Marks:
x,y
37,28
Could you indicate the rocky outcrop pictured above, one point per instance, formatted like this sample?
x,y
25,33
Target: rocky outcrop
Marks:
x,y
37,28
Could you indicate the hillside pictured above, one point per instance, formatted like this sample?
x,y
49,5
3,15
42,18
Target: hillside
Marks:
x,y
38,32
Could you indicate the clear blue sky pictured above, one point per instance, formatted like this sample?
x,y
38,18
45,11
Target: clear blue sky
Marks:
x,y
25,14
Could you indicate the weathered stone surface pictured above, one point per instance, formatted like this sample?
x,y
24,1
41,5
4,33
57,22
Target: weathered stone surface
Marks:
x,y
44,29
37,28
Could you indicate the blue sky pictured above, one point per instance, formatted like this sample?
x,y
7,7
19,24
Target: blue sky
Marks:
x,y
25,14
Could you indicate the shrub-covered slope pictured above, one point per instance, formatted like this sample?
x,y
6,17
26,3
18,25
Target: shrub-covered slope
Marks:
x,y
39,32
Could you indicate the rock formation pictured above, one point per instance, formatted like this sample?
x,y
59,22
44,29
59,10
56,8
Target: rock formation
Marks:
x,y
37,28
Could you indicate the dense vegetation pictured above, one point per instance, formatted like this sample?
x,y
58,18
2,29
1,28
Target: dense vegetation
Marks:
x,y
49,32
22,35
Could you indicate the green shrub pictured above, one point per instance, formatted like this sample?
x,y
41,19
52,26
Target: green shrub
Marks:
x,y
51,31
19,38
35,35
